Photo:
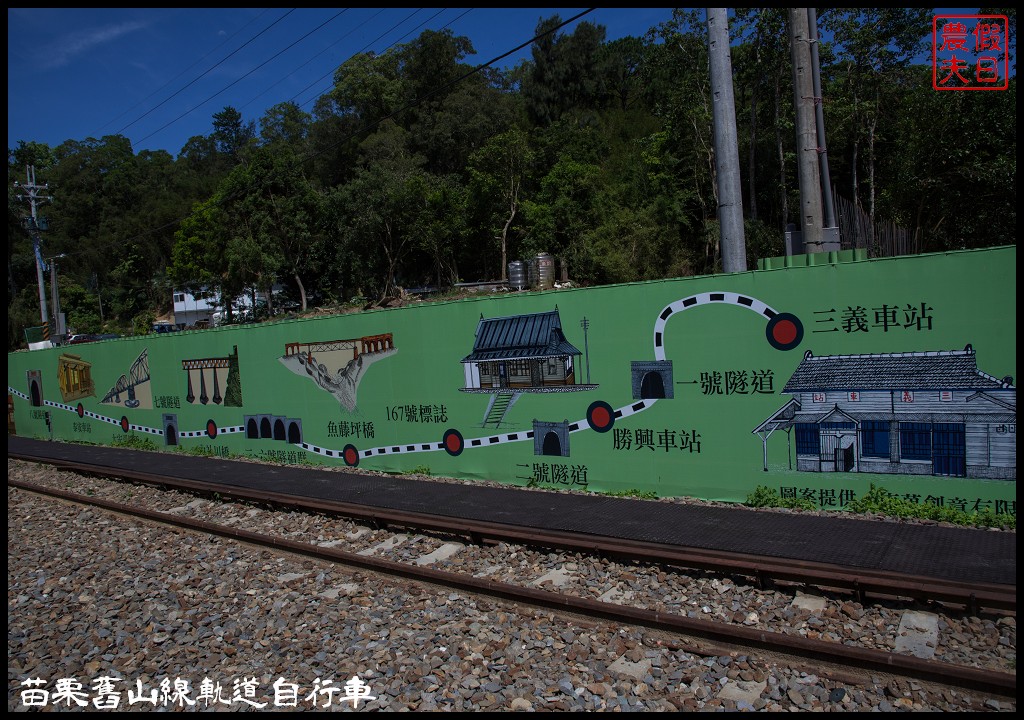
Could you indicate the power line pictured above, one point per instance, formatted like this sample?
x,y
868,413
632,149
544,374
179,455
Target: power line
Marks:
x,y
200,77
235,82
363,49
367,126
449,84
166,84
271,87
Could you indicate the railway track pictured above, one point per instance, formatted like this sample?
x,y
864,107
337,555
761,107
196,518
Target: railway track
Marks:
x,y
640,612
763,571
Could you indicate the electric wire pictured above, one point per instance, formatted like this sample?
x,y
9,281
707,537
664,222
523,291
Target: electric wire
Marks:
x,y
364,49
238,80
169,82
366,127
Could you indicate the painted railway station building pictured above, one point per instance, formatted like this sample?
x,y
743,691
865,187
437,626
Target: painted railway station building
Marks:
x,y
915,413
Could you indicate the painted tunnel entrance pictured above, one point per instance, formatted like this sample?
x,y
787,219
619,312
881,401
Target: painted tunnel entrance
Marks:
x,y
170,423
551,438
652,379
552,445
652,388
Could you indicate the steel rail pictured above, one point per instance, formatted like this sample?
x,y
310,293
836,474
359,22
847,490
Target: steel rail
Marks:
x,y
861,581
986,680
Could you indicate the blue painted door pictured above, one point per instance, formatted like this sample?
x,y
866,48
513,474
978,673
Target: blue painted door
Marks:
x,y
949,449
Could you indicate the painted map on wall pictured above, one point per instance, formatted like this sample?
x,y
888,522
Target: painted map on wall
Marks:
x,y
817,381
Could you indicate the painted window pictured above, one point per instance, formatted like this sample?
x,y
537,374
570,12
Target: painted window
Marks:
x,y
808,441
916,441
874,438
520,368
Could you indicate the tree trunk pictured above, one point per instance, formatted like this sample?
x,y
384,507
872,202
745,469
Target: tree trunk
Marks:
x,y
513,202
229,305
504,244
871,166
782,154
853,173
855,151
302,291
751,156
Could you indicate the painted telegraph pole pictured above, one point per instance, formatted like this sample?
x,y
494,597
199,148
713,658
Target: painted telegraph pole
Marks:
x,y
727,158
35,195
585,324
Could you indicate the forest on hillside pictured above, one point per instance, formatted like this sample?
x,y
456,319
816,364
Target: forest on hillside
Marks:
x,y
418,168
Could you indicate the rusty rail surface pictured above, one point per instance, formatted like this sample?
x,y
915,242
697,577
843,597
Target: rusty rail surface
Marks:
x,y
843,656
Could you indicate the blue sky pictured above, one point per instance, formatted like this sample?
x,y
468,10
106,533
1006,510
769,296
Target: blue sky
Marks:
x,y
158,75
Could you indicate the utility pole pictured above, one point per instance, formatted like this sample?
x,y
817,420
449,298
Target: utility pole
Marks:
x,y
35,195
59,329
830,231
806,131
727,158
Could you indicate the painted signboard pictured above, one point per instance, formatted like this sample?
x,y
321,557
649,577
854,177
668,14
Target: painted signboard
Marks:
x,y
816,381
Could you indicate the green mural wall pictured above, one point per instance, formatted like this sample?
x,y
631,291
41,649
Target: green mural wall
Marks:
x,y
816,381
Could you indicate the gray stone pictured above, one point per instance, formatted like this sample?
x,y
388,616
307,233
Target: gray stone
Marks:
x,y
809,602
442,553
918,634
617,597
556,577
742,691
390,544
635,670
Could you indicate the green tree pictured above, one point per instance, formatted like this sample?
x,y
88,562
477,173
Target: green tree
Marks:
x,y
622,62
681,95
231,134
873,47
276,212
285,126
567,73
38,155
199,259
952,182
80,307
367,87
762,68
561,215
381,210
498,172
444,228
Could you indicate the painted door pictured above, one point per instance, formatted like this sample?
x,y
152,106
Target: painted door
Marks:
x,y
949,449
838,452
